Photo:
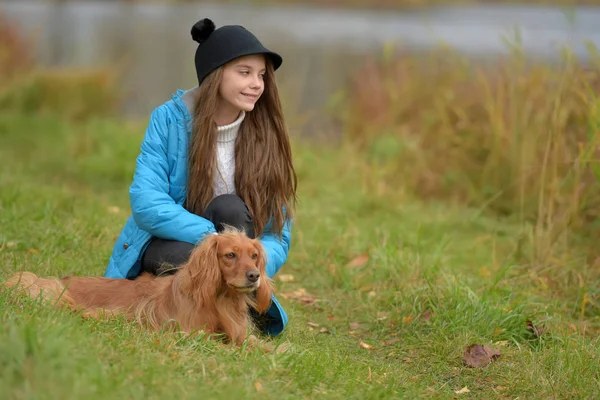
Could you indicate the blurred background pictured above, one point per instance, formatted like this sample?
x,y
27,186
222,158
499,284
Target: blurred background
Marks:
x,y
487,104
324,43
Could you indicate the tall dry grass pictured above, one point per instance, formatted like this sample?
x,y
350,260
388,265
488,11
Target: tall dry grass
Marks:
x,y
515,138
15,55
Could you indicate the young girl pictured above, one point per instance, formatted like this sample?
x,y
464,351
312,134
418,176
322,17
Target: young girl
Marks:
x,y
216,154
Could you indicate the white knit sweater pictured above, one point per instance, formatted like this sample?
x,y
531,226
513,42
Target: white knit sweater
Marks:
x,y
223,180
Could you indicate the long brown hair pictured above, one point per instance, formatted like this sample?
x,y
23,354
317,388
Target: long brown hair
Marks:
x,y
265,178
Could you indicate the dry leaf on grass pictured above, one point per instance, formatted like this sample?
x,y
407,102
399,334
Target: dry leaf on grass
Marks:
x,y
537,331
258,386
366,346
427,315
358,261
255,342
300,296
477,355
114,210
390,342
285,278
463,390
313,324
8,245
354,326
324,330
283,348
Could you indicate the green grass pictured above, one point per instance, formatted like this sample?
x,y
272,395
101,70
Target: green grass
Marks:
x,y
437,277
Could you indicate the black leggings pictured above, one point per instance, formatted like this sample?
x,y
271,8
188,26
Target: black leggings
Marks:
x,y
165,256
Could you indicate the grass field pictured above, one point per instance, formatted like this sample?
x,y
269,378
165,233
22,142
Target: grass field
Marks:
x,y
384,292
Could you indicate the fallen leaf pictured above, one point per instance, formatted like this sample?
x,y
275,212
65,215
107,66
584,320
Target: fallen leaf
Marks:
x,y
390,342
358,261
267,347
301,296
255,342
537,332
286,278
313,324
283,348
463,390
406,320
114,210
500,388
476,355
33,251
366,346
258,386
324,330
354,326
427,315
372,294
10,244
331,317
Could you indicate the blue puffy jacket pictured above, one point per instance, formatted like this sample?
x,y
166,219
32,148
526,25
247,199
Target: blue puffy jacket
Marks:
x,y
157,194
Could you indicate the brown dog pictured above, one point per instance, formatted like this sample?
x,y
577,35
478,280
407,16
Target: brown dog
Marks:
x,y
224,276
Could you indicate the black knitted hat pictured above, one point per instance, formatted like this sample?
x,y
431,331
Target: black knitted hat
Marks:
x,y
219,46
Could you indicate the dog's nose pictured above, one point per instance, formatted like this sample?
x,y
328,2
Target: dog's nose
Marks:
x,y
252,276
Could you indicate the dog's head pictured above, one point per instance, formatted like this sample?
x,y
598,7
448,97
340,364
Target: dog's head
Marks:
x,y
231,263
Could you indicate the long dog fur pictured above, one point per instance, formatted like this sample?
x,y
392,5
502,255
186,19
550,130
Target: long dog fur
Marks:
x,y
212,291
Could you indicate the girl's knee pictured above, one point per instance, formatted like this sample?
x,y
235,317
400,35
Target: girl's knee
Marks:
x,y
229,209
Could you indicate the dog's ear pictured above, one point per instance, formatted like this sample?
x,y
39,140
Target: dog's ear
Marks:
x,y
201,276
265,289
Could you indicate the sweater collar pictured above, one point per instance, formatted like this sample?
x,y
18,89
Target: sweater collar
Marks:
x,y
227,133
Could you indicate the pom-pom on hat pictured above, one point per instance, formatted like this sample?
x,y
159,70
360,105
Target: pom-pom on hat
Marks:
x,y
219,46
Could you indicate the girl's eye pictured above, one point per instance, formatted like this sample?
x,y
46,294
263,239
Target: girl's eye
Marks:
x,y
230,255
244,72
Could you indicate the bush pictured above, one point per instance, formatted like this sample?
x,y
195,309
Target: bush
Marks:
x,y
15,58
72,93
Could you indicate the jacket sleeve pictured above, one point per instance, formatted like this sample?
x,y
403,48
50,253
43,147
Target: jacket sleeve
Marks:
x,y
277,248
153,209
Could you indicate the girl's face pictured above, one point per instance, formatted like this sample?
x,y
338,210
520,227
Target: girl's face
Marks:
x,y
242,83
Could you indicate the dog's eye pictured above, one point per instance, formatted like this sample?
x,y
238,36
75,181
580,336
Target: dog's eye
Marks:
x,y
254,256
230,255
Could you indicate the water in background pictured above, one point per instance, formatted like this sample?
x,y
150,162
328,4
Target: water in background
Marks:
x,y
321,47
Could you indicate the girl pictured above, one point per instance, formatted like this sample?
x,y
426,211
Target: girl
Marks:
x,y
216,154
